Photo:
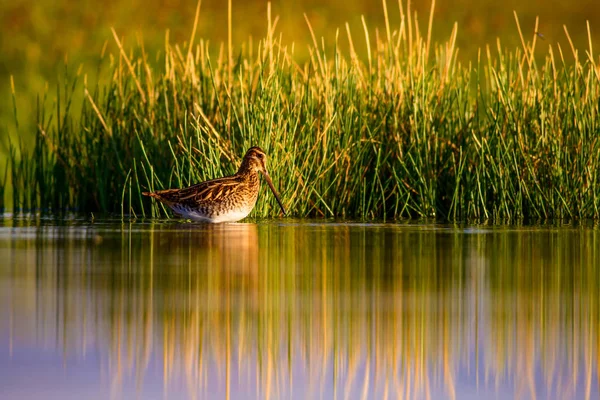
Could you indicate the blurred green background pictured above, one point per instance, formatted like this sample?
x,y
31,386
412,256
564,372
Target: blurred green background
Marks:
x,y
37,37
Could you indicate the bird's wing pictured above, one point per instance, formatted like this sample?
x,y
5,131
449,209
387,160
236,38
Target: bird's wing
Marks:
x,y
209,191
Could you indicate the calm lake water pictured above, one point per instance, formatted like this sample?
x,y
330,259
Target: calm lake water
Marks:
x,y
298,309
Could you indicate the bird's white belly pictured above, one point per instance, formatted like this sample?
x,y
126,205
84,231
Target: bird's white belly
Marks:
x,y
225,216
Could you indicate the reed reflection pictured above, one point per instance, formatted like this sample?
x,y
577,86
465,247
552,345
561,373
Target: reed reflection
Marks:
x,y
311,310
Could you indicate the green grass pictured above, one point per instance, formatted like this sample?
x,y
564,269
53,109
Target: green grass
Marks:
x,y
406,131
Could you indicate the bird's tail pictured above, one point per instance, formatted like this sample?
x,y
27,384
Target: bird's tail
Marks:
x,y
159,196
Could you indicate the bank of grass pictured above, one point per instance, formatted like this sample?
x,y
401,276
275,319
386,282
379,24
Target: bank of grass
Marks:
x,y
406,131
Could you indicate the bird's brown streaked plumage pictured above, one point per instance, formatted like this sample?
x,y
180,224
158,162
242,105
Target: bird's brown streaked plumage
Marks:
x,y
227,199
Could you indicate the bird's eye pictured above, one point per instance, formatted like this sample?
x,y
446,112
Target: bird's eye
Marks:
x,y
261,156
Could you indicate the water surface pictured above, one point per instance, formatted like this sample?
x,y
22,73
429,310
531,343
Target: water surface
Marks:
x,y
296,309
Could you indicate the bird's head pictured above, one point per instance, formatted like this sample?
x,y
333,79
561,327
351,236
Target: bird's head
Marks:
x,y
256,160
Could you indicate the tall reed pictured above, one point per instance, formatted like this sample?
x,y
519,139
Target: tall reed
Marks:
x,y
406,131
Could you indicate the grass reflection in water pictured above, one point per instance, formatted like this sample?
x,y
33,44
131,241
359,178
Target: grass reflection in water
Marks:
x,y
310,310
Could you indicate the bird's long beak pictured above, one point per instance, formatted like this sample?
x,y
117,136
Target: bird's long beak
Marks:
x,y
270,182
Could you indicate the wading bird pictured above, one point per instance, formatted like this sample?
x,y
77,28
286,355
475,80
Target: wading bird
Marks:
x,y
227,199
